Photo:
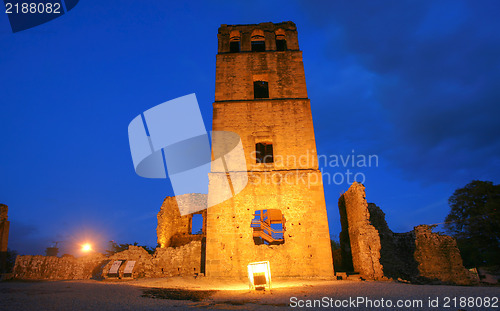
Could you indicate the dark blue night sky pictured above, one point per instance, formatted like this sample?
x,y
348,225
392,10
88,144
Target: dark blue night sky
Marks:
x,y
416,83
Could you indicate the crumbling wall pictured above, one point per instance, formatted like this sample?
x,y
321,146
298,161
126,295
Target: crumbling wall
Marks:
x,y
438,257
419,256
175,230
183,261
58,268
4,236
364,238
396,252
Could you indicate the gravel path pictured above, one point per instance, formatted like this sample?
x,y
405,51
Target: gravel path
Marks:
x,y
99,295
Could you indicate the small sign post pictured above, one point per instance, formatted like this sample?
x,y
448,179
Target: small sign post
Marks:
x,y
129,267
113,271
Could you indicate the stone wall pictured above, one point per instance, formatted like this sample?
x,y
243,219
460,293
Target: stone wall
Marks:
x,y
364,238
174,230
397,249
438,257
283,70
184,260
245,32
4,236
306,251
377,253
58,268
292,183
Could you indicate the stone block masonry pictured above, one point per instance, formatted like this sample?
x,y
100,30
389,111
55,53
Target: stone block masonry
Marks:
x,y
363,236
174,230
438,257
58,268
181,261
4,236
370,248
252,57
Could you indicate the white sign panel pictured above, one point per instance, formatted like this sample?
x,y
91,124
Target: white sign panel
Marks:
x,y
114,268
129,267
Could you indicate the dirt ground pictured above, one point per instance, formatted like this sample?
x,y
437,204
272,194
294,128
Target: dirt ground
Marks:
x,y
203,293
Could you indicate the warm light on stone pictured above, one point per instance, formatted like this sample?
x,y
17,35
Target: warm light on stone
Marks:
x,y
259,275
262,97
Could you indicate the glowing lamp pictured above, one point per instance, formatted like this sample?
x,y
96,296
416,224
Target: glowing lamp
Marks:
x,y
259,275
86,248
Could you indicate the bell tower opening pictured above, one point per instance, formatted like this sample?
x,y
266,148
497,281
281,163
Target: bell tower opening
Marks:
x,y
234,41
258,41
280,40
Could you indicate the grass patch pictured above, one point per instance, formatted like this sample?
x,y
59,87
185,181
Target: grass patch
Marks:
x,y
177,294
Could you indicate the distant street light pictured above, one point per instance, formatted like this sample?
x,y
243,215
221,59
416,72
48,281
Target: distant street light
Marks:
x,y
86,248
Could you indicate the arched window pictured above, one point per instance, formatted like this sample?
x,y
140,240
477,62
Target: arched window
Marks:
x,y
280,40
258,41
234,41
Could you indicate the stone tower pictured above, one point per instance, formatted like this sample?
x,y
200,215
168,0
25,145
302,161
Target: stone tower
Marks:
x,y
280,216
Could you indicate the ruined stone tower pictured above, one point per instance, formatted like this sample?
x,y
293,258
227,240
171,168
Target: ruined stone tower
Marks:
x,y
280,216
4,236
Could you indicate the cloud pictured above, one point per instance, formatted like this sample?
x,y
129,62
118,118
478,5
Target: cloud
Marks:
x,y
432,94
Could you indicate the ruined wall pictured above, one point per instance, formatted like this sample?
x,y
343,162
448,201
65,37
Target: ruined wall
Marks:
x,y
438,257
4,227
420,256
291,183
58,268
184,260
306,251
364,238
4,236
174,230
396,252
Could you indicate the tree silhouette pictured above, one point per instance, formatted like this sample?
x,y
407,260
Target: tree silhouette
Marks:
x,y
116,248
474,220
